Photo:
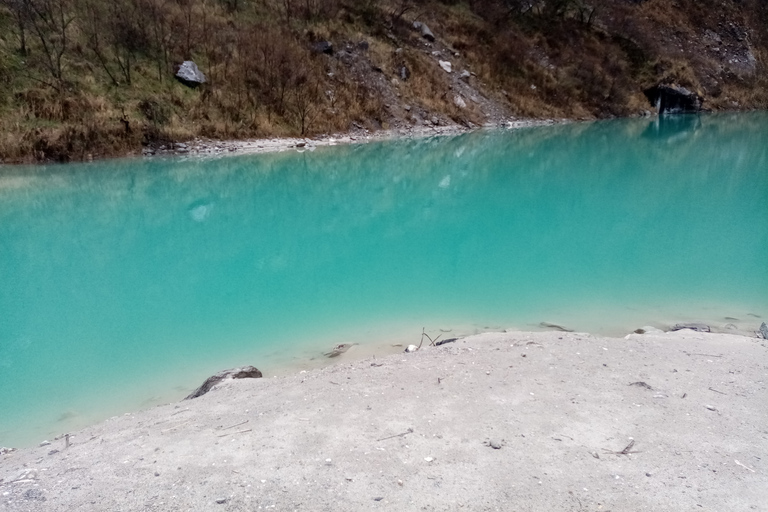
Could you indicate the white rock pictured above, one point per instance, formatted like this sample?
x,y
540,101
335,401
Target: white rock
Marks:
x,y
445,65
411,348
459,101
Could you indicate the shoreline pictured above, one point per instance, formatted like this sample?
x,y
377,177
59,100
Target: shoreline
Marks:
x,y
531,420
311,354
216,147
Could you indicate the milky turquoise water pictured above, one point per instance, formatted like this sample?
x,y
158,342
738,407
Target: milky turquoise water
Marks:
x,y
125,283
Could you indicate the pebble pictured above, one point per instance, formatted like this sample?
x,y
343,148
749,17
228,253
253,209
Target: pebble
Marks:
x,y
710,407
429,459
45,443
495,444
221,501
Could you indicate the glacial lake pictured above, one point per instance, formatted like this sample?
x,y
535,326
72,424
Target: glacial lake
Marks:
x,y
125,283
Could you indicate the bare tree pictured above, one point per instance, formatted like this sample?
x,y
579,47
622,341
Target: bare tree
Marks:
x,y
50,21
21,14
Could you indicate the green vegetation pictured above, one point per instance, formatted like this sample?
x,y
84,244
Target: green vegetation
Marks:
x,y
81,78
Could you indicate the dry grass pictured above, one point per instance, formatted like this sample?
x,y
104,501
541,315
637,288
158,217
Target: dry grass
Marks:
x,y
265,81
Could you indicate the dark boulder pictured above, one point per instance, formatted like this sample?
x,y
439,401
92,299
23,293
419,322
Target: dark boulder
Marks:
x,y
189,74
244,372
673,99
325,47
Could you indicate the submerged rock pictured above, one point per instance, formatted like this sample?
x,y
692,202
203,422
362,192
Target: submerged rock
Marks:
x,y
244,372
339,349
555,327
692,326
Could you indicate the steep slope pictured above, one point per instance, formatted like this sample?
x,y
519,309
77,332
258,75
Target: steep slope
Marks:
x,y
82,78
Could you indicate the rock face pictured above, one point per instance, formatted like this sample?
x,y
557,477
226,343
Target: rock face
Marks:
x,y
190,75
673,99
244,372
424,31
323,47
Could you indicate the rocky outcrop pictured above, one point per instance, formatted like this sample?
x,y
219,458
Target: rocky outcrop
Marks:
x,y
424,31
244,372
673,99
189,74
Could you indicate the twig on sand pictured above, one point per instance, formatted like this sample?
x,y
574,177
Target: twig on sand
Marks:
x,y
176,426
626,451
743,465
235,425
238,432
704,355
716,391
409,431
431,341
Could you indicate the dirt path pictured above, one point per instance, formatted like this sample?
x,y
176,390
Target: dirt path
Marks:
x,y
511,421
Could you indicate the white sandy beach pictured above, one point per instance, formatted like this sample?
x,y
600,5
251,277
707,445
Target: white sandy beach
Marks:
x,y
497,421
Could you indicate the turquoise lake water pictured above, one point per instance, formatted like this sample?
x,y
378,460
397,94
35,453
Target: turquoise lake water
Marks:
x,y
124,284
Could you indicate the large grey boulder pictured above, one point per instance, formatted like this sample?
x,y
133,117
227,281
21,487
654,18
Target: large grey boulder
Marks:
x,y
190,75
244,372
673,99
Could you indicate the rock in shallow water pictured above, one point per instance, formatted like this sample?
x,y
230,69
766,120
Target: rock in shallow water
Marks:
x,y
692,326
244,372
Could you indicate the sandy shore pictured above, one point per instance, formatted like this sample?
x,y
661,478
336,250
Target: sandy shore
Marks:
x,y
497,421
202,147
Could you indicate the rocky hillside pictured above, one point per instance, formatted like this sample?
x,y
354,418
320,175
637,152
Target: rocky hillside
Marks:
x,y
87,78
